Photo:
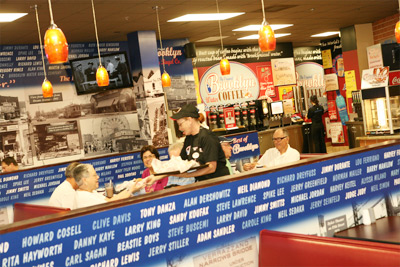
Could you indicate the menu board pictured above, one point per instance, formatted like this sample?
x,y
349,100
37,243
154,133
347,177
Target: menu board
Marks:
x,y
178,229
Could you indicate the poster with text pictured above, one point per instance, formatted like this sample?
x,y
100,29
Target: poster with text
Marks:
x,y
283,71
264,74
351,85
374,56
239,86
337,133
331,82
327,59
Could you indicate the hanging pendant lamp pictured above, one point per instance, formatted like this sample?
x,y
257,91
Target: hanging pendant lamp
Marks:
x,y
165,78
55,43
47,88
224,65
397,28
102,78
266,36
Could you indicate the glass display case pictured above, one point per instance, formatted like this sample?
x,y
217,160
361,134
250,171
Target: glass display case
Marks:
x,y
381,108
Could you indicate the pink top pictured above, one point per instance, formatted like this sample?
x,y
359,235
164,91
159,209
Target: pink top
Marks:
x,y
159,185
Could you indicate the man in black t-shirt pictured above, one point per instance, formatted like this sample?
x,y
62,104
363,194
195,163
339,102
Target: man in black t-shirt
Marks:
x,y
205,147
200,145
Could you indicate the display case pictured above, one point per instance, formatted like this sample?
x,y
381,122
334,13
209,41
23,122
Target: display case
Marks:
x,y
381,108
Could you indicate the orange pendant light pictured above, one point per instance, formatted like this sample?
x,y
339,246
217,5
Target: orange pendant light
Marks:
x,y
165,80
55,43
397,32
225,67
47,88
102,76
266,39
266,36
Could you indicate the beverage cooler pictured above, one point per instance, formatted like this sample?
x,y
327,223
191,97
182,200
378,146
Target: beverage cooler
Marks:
x,y
381,108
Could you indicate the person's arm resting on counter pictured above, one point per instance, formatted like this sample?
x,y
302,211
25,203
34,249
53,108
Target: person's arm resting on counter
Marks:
x,y
126,193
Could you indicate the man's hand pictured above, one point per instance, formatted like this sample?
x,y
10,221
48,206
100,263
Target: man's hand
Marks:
x,y
137,185
249,166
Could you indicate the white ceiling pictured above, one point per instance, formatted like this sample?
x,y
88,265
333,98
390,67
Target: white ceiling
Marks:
x,y
116,18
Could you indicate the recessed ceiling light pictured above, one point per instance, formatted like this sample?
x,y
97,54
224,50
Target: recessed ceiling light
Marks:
x,y
324,34
9,17
205,17
255,36
211,39
257,27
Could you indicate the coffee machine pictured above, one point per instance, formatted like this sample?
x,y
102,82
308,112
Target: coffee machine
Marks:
x,y
275,114
263,114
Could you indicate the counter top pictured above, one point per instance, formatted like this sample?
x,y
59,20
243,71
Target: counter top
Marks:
x,y
379,137
355,122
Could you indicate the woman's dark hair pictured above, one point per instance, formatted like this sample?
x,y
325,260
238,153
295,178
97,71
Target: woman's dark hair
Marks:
x,y
314,99
152,150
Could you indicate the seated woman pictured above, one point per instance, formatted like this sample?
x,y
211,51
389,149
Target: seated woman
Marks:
x,y
148,153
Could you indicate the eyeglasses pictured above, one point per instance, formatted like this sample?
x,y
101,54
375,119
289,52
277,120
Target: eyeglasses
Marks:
x,y
278,138
149,156
180,124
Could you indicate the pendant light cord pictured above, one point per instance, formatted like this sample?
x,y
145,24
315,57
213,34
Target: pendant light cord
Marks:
x,y
95,30
219,24
263,9
40,41
51,13
159,34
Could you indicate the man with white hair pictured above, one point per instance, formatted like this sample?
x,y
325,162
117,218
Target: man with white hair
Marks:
x,y
88,181
280,154
64,195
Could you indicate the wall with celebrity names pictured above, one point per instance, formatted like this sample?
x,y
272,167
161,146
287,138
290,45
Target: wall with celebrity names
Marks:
x,y
219,223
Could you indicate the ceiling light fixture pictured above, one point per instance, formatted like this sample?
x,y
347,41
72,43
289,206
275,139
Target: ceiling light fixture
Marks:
x,y
102,78
55,43
165,78
10,17
324,34
266,40
250,28
255,36
224,65
47,87
205,17
397,28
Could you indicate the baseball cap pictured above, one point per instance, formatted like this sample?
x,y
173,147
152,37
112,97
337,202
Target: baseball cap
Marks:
x,y
223,139
186,111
